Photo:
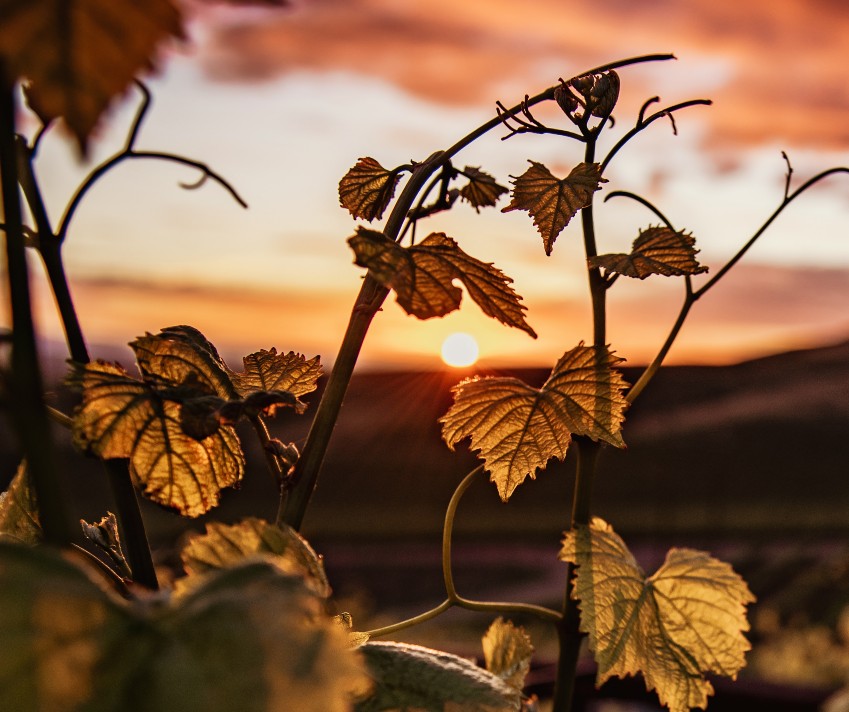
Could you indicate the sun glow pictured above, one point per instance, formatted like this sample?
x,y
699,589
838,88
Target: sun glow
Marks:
x,y
460,350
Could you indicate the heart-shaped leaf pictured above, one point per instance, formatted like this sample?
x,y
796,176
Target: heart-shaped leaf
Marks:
x,y
675,627
552,202
518,428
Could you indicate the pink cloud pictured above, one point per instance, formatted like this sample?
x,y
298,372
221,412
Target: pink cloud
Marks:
x,y
784,61
755,310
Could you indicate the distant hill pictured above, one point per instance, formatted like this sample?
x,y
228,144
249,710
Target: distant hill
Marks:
x,y
762,446
759,447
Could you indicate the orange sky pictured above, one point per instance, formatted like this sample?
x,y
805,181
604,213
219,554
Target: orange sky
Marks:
x,y
283,102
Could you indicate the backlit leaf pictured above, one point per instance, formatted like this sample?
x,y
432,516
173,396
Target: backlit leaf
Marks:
x,y
79,54
58,629
254,639
675,627
181,354
224,545
121,417
367,188
551,202
507,651
410,677
657,250
423,275
19,510
518,428
270,371
250,638
481,191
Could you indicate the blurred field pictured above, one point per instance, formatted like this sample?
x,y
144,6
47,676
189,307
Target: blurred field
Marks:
x,y
750,462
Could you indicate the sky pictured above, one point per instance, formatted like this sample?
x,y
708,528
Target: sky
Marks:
x,y
282,102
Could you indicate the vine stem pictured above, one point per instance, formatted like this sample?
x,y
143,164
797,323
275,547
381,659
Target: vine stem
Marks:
x,y
369,301
455,599
500,607
49,247
25,387
691,296
569,635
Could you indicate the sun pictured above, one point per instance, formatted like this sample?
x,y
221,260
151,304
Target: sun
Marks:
x,y
460,350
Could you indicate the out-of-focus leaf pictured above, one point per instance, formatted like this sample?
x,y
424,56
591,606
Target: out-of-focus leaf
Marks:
x,y
59,632
410,677
250,638
507,651
224,545
178,355
657,250
422,277
270,371
254,639
518,428
675,627
104,534
551,202
346,622
121,417
19,510
79,54
481,191
367,188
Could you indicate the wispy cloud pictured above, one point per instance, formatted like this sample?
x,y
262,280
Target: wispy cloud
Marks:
x,y
777,67
749,314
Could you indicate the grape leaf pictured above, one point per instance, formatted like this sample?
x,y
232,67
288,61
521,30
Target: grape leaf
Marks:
x,y
224,545
346,623
422,277
270,371
507,651
367,188
410,677
122,417
104,534
481,191
552,203
251,638
657,250
518,428
181,354
676,626
259,639
79,54
19,510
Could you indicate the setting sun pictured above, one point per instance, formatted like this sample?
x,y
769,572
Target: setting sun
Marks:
x,y
460,350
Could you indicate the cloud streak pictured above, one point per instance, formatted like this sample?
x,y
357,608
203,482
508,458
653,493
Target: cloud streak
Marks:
x,y
777,67
757,309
